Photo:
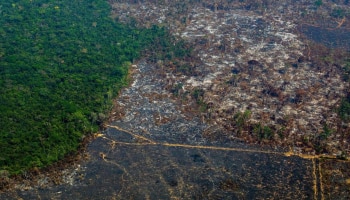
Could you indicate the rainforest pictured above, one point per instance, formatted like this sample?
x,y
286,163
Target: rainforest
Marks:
x,y
61,64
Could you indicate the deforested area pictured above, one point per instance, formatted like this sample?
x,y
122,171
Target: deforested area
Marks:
x,y
263,72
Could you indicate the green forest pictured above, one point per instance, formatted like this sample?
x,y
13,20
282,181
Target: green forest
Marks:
x,y
61,64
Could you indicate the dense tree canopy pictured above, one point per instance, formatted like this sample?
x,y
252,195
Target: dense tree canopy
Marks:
x,y
61,63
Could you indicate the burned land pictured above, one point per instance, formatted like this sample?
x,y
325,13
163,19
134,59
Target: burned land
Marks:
x,y
254,105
